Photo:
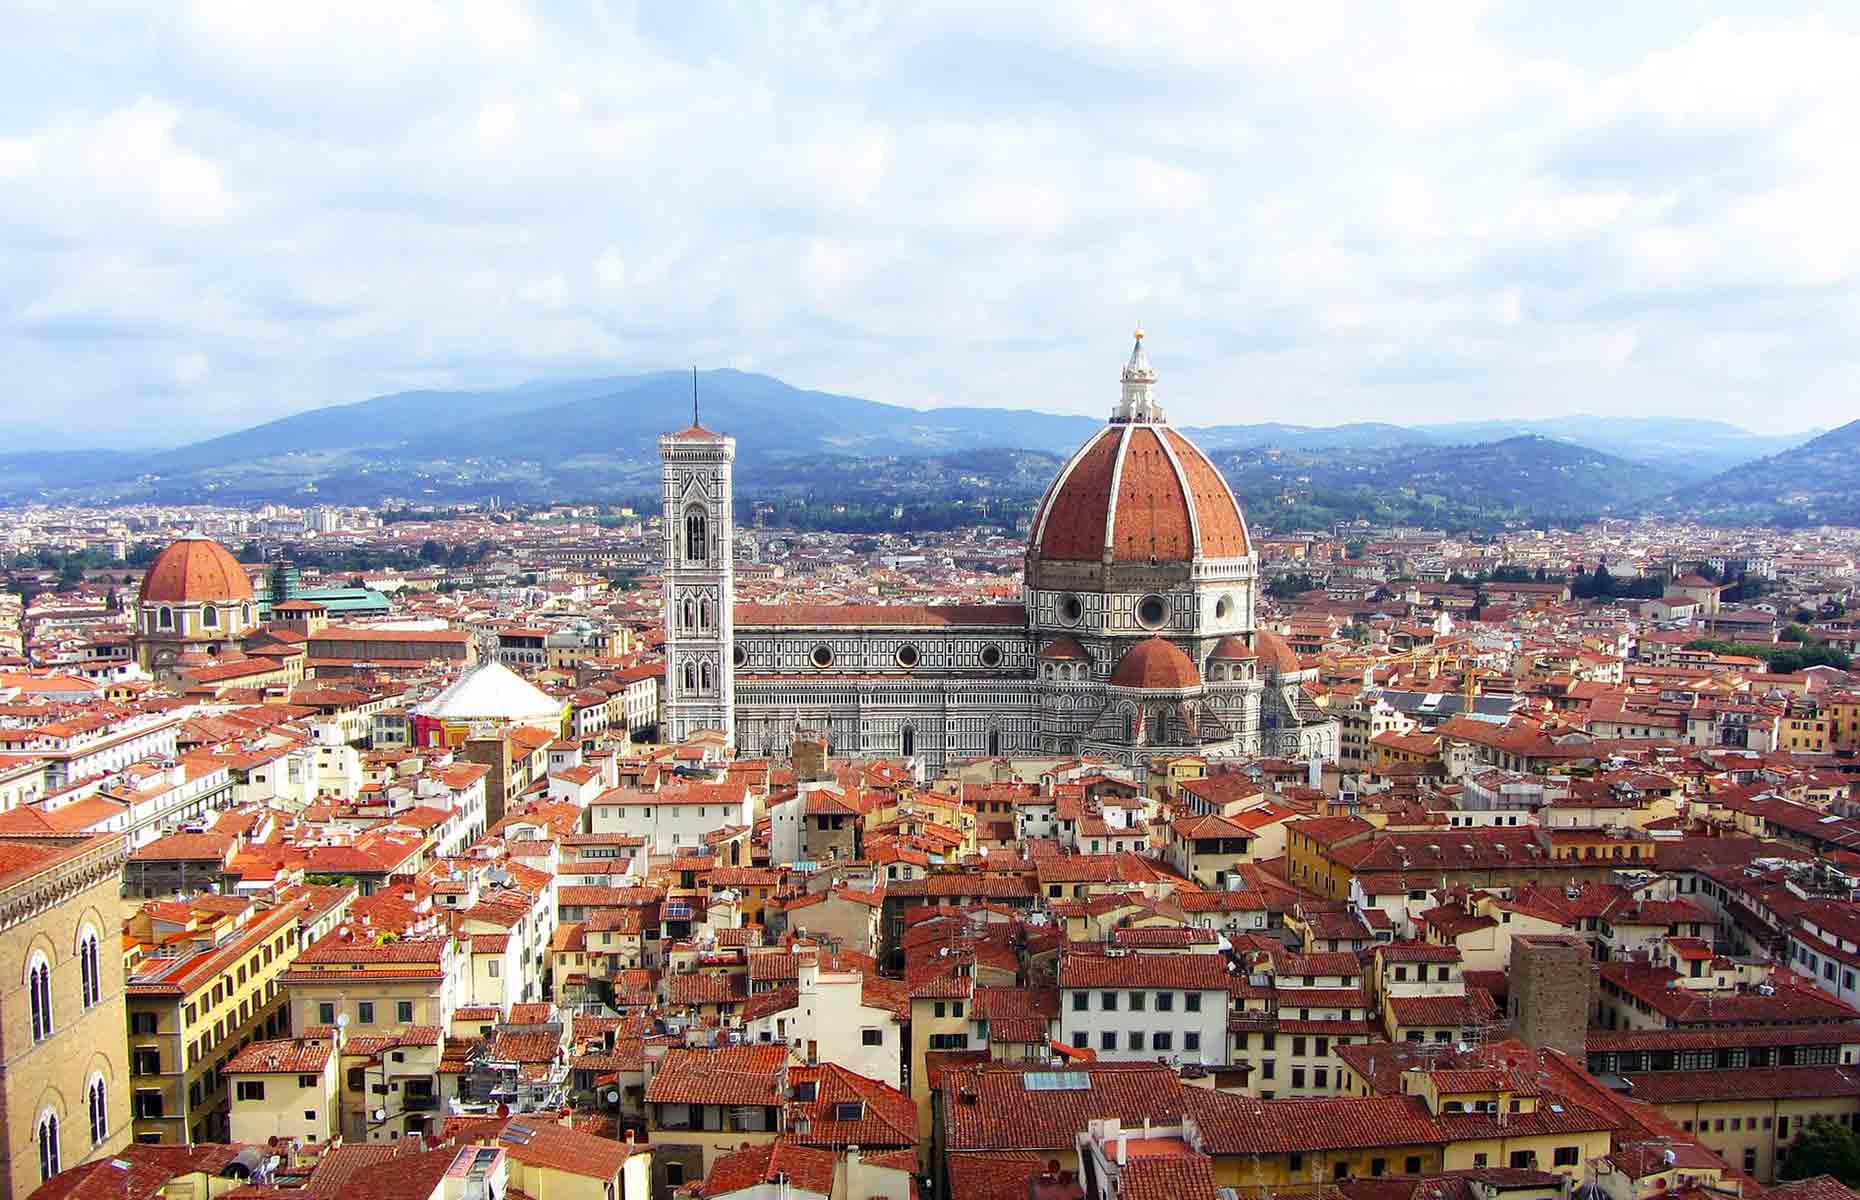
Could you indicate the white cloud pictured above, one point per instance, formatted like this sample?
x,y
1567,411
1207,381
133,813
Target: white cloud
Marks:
x,y
1322,212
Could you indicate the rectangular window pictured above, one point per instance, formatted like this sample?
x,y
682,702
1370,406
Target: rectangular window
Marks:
x,y
1162,1041
1080,1000
1191,1041
1298,1077
365,1012
1136,1002
309,1081
1165,1001
1412,1166
1079,1039
1107,1040
1565,1156
871,1037
1107,1002
251,1089
403,1010
326,1014
1191,1001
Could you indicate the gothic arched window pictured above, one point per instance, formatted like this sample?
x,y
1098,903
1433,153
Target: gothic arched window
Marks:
x,y
690,611
39,988
706,673
697,536
908,742
48,1145
90,970
690,678
99,1105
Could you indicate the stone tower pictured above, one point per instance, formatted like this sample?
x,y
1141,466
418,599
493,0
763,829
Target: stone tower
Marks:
x,y
1552,977
700,582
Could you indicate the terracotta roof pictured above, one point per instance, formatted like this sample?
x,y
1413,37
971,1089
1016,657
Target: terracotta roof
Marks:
x,y
194,569
284,1056
1231,648
749,1074
868,615
1135,494
1275,654
1155,663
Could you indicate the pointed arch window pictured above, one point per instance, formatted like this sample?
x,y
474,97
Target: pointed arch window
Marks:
x,y
908,741
690,611
99,1103
39,988
705,671
697,536
704,621
690,678
48,1146
90,967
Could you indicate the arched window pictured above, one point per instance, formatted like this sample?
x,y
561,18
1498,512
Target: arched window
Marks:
x,y
1130,725
690,611
908,741
245,613
99,1103
164,617
704,621
697,536
48,1145
994,743
89,967
690,678
39,989
210,617
707,683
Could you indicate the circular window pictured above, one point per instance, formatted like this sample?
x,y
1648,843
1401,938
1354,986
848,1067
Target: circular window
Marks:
x,y
1152,611
1223,608
739,656
907,656
823,656
991,655
1071,609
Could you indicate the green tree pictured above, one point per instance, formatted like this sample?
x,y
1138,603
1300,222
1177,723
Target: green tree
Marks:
x,y
432,552
1824,1148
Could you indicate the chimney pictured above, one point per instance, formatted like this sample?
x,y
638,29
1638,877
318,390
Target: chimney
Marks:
x,y
1123,1149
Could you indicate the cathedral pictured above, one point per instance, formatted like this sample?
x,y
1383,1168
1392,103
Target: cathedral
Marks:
x,y
1135,638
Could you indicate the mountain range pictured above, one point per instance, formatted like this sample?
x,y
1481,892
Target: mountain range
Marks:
x,y
597,437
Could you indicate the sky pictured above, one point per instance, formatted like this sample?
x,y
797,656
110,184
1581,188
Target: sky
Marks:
x,y
215,213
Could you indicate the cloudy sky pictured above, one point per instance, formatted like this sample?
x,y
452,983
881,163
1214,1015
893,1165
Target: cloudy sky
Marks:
x,y
216,213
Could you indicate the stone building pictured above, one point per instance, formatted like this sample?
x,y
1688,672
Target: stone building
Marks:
x,y
64,1078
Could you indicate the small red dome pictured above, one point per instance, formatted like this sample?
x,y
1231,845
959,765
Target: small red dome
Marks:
x,y
1065,646
1157,665
1274,653
193,570
1231,648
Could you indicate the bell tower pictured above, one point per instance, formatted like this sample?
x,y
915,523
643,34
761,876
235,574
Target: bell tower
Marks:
x,y
700,582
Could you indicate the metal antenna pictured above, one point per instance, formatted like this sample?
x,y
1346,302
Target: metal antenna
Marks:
x,y
694,413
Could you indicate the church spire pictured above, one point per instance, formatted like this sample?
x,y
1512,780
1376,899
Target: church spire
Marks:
x,y
1138,403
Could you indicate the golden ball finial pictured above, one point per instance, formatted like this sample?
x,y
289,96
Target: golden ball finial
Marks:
x,y
1139,333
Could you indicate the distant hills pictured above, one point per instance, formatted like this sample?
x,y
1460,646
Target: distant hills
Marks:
x,y
1816,483
598,438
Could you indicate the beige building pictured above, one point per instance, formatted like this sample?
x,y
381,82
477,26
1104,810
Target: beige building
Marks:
x,y
284,1089
63,1069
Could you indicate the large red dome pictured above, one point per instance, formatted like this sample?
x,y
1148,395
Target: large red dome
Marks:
x,y
195,570
1137,493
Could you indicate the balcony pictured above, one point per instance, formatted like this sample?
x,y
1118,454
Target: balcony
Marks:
x,y
415,1102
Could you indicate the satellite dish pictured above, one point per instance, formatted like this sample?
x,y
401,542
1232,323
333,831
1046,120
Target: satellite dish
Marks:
x,y
613,1096
380,1114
